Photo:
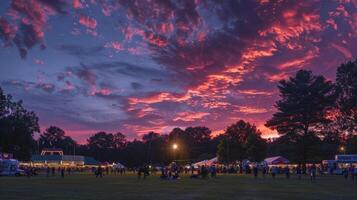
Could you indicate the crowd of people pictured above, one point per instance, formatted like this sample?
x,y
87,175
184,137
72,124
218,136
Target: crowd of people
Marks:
x,y
174,171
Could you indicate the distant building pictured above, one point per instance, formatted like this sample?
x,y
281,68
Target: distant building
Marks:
x,y
55,157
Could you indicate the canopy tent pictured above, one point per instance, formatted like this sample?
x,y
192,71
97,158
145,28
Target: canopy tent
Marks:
x,y
206,162
118,166
276,160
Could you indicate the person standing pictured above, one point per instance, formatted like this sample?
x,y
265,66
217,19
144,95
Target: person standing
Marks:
x,y
345,173
146,171
274,171
287,172
298,171
313,172
62,172
140,169
255,171
352,172
48,171
53,171
264,171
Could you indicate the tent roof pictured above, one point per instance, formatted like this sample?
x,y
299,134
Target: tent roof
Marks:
x,y
207,162
276,160
118,165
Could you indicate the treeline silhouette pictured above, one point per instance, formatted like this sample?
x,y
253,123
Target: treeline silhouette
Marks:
x,y
315,118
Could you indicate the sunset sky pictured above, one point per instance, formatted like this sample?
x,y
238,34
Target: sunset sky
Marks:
x,y
151,65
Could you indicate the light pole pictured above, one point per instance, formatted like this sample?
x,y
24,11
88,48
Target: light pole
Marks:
x,y
343,149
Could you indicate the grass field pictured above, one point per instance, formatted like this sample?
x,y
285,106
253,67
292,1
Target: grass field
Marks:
x,y
112,187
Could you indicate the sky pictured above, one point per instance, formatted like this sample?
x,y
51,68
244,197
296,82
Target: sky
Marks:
x,y
135,66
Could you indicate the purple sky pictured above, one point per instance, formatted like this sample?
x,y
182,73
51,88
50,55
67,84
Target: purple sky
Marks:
x,y
137,66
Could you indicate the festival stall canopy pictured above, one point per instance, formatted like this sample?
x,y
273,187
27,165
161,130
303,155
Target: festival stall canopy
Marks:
x,y
276,160
207,162
118,166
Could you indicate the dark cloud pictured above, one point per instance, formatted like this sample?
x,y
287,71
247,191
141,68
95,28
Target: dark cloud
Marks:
x,y
81,51
136,86
28,85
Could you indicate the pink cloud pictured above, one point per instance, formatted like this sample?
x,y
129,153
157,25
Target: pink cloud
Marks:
x,y
77,4
251,110
114,45
190,116
39,61
87,21
345,52
256,92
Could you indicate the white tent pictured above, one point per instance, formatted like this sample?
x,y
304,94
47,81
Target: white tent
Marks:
x,y
118,166
276,160
206,162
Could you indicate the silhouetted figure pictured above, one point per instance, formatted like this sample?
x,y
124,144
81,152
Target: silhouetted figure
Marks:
x,y
345,173
213,171
146,171
204,172
53,171
287,172
352,172
274,171
99,172
264,171
298,171
48,171
255,171
313,172
140,170
62,172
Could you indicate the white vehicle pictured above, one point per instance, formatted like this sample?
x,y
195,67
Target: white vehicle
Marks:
x,y
10,167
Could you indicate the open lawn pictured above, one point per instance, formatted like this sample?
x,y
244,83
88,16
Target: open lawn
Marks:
x,y
112,187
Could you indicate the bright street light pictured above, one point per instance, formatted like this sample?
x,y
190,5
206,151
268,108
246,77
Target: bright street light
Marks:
x,y
174,146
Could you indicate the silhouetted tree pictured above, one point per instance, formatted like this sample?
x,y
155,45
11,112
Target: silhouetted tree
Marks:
x,y
17,127
301,113
241,141
55,137
346,81
102,145
155,148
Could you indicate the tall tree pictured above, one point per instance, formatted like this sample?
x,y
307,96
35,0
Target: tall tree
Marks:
x,y
305,98
119,140
55,137
155,148
17,127
106,146
242,141
346,81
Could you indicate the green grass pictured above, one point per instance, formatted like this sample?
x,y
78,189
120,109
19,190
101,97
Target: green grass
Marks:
x,y
87,187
